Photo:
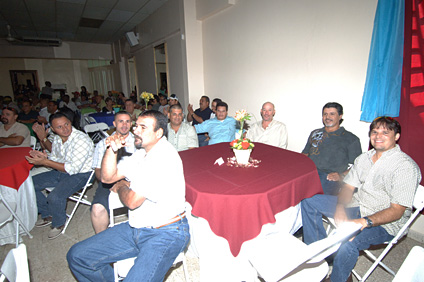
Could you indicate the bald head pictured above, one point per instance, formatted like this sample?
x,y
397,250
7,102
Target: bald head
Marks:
x,y
267,111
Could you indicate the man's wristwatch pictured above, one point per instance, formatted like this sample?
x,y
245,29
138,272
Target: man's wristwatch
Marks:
x,y
45,139
369,221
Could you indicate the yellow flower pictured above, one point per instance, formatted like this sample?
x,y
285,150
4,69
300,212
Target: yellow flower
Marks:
x,y
146,96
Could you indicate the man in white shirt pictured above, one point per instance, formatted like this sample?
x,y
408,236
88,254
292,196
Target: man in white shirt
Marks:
x,y
157,230
268,130
180,134
13,133
66,102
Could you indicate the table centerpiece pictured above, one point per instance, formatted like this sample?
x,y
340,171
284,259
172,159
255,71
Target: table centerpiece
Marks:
x,y
146,96
242,147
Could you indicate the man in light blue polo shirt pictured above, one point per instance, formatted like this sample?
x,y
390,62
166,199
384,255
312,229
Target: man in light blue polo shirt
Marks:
x,y
221,128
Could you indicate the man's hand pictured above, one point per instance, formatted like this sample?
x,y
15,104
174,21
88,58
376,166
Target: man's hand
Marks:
x,y
41,119
36,157
334,176
340,215
190,109
115,142
120,184
40,130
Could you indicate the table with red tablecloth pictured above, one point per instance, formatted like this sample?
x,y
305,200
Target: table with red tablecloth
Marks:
x,y
16,186
238,202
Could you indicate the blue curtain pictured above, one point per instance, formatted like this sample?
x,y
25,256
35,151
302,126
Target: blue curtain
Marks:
x,y
384,75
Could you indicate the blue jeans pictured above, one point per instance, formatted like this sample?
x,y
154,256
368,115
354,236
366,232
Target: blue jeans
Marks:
x,y
202,140
346,257
64,185
155,249
329,187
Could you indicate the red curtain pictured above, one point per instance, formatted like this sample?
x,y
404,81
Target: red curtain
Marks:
x,y
411,116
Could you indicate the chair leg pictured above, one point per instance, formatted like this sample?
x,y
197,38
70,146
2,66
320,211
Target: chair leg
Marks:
x,y
74,210
187,278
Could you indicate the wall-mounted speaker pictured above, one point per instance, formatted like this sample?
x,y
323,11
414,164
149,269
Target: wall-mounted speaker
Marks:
x,y
132,38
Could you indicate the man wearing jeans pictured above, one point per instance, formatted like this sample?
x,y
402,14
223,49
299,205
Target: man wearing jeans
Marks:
x,y
70,159
157,230
386,180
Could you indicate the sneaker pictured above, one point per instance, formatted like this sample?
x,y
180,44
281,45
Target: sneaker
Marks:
x,y
43,222
55,232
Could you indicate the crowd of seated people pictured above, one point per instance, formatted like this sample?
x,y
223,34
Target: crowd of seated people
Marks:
x,y
159,132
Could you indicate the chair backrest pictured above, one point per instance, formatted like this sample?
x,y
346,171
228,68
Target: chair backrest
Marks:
x,y
33,142
412,269
15,265
419,198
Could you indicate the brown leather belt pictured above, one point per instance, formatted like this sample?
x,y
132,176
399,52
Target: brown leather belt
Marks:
x,y
173,220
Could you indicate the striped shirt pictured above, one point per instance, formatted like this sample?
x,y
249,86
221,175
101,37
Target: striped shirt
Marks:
x,y
393,178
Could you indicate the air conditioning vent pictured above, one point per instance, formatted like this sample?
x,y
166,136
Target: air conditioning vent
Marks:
x,y
34,41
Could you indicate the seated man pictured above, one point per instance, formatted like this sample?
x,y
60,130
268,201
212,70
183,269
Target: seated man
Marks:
x,y
66,102
386,180
71,158
51,109
100,204
199,116
13,133
180,134
130,108
332,148
163,101
268,131
157,230
27,115
222,128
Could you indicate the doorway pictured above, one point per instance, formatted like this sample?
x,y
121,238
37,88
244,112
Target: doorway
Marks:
x,y
161,66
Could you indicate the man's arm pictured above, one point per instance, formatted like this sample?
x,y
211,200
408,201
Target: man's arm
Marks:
x,y
127,196
109,169
40,158
12,140
393,213
192,140
42,134
344,198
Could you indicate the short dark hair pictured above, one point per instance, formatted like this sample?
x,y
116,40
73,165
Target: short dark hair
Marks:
x,y
122,113
222,104
58,115
335,105
175,106
163,96
385,122
108,99
216,100
129,100
15,112
207,98
161,121
54,103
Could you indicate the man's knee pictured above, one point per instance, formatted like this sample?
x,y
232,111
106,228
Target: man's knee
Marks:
x,y
98,210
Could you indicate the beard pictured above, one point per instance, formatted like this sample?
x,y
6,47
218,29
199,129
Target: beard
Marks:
x,y
138,145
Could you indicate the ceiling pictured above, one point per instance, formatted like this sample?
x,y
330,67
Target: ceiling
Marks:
x,y
95,21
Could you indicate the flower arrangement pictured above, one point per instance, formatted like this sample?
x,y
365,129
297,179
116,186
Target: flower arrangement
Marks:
x,y
146,96
242,143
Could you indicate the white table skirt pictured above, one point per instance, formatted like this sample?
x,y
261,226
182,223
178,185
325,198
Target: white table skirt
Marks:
x,y
216,261
26,209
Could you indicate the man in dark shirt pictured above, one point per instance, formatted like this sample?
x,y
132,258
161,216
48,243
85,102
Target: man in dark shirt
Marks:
x,y
200,115
332,148
27,115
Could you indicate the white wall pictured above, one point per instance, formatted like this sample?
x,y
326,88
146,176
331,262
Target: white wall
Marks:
x,y
297,54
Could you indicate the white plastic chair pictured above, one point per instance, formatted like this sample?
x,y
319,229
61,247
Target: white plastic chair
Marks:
x,y
8,213
412,268
33,142
282,256
78,197
418,205
98,130
122,267
15,265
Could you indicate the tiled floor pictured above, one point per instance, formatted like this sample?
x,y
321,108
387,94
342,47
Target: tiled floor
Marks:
x,y
47,258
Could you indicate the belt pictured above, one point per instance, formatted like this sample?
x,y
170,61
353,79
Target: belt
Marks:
x,y
173,220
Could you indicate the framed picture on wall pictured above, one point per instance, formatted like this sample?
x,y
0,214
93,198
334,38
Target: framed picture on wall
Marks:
x,y
24,81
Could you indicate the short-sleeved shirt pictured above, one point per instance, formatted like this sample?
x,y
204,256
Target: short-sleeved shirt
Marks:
x,y
18,129
76,153
123,153
393,178
165,195
205,114
219,130
184,138
332,151
275,134
31,115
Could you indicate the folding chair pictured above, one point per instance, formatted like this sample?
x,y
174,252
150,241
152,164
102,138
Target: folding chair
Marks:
x,y
418,205
412,268
33,142
282,256
122,267
78,197
8,213
15,265
98,131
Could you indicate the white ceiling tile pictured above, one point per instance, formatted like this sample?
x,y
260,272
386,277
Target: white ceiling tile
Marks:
x,y
119,16
97,13
102,3
130,5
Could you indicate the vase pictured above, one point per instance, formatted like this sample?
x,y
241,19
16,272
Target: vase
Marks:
x,y
242,156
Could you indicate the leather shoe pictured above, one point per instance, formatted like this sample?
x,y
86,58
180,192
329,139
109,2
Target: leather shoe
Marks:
x,y
43,222
55,232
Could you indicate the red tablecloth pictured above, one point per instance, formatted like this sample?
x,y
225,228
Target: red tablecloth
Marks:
x,y
14,168
237,202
